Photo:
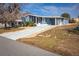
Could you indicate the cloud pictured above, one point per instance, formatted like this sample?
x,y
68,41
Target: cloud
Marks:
x,y
76,7
52,10
48,8
41,9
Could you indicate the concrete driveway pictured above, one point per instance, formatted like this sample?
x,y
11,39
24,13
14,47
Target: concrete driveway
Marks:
x,y
10,47
33,31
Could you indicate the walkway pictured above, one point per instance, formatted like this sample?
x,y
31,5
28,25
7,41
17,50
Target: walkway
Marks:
x,y
26,32
12,48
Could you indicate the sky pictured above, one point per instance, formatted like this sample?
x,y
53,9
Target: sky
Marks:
x,y
51,9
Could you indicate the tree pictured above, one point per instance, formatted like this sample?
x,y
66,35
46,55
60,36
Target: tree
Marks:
x,y
9,12
66,15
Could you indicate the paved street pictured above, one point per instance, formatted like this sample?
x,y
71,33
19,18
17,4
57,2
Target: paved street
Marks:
x,y
10,47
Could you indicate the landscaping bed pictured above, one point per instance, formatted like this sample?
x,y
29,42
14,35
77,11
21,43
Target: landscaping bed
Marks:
x,y
58,40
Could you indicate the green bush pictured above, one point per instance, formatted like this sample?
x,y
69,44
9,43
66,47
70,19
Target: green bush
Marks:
x,y
27,23
30,23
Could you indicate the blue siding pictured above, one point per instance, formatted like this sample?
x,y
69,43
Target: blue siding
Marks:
x,y
50,21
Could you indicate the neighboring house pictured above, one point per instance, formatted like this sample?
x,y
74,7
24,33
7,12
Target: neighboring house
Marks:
x,y
17,22
45,20
76,19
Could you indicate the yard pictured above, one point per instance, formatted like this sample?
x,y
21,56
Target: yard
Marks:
x,y
3,30
58,40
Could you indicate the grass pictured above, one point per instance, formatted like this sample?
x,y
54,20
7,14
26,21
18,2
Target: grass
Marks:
x,y
58,40
3,30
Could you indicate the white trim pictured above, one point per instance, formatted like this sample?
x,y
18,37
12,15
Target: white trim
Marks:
x,y
45,16
18,20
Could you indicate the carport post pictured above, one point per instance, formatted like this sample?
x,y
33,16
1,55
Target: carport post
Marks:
x,y
36,19
55,21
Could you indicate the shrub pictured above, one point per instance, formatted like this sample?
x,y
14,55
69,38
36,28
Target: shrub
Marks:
x,y
30,23
72,21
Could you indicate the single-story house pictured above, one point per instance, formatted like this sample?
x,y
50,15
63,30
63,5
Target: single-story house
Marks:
x,y
45,20
38,20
